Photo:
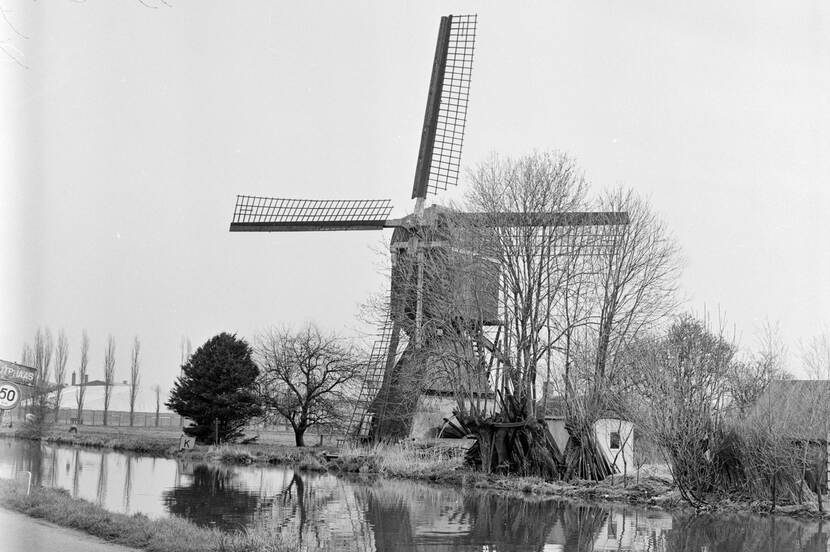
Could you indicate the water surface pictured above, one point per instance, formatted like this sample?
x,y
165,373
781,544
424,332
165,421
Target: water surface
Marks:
x,y
352,513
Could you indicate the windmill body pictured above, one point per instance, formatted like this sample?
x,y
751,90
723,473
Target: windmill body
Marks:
x,y
397,372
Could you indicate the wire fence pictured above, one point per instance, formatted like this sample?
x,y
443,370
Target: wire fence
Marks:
x,y
114,418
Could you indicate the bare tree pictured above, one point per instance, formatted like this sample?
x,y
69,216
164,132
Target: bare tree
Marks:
x,y
644,453
27,357
7,42
185,352
157,391
135,375
634,284
532,275
40,403
61,357
80,391
42,353
749,378
304,377
109,374
185,349
777,441
815,356
682,382
624,285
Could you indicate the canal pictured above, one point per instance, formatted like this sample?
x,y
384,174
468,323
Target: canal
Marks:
x,y
331,512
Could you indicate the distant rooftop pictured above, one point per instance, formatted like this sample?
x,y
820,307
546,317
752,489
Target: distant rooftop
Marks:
x,y
798,408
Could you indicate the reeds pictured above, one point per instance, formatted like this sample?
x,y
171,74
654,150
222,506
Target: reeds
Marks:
x,y
401,460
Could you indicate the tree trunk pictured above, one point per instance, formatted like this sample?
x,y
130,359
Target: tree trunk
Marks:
x,y
485,443
299,433
523,449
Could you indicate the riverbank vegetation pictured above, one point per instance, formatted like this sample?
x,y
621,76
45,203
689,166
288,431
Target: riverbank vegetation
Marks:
x,y
138,531
731,429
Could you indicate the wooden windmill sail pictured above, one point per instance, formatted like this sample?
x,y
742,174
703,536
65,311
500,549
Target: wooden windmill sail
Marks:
x,y
387,398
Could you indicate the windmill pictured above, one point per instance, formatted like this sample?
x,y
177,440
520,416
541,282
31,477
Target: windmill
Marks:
x,y
386,402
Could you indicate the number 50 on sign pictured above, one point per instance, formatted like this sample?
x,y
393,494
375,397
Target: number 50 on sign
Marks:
x,y
9,395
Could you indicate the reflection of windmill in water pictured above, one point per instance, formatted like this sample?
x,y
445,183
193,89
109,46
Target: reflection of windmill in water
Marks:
x,y
395,374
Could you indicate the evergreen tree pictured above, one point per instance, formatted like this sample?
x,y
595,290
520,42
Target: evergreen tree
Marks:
x,y
217,383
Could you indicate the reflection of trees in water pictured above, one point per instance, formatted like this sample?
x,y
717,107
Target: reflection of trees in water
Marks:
x,y
510,522
632,529
34,463
315,508
213,499
425,517
388,512
101,491
53,467
128,483
26,456
76,474
745,533
306,506
422,516
581,524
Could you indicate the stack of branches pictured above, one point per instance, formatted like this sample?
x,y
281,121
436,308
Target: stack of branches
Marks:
x,y
583,456
510,447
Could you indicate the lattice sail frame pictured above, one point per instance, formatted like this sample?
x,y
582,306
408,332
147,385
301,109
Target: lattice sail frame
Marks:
x,y
580,234
442,138
258,214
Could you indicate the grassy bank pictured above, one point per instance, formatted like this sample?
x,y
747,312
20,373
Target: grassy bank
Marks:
x,y
140,440
165,442
137,531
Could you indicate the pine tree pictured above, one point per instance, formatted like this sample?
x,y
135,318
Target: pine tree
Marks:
x,y
217,385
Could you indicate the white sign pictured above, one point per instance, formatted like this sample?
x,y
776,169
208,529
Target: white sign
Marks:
x,y
9,395
17,373
186,442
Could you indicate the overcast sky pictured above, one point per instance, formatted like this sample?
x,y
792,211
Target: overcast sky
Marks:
x,y
127,136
